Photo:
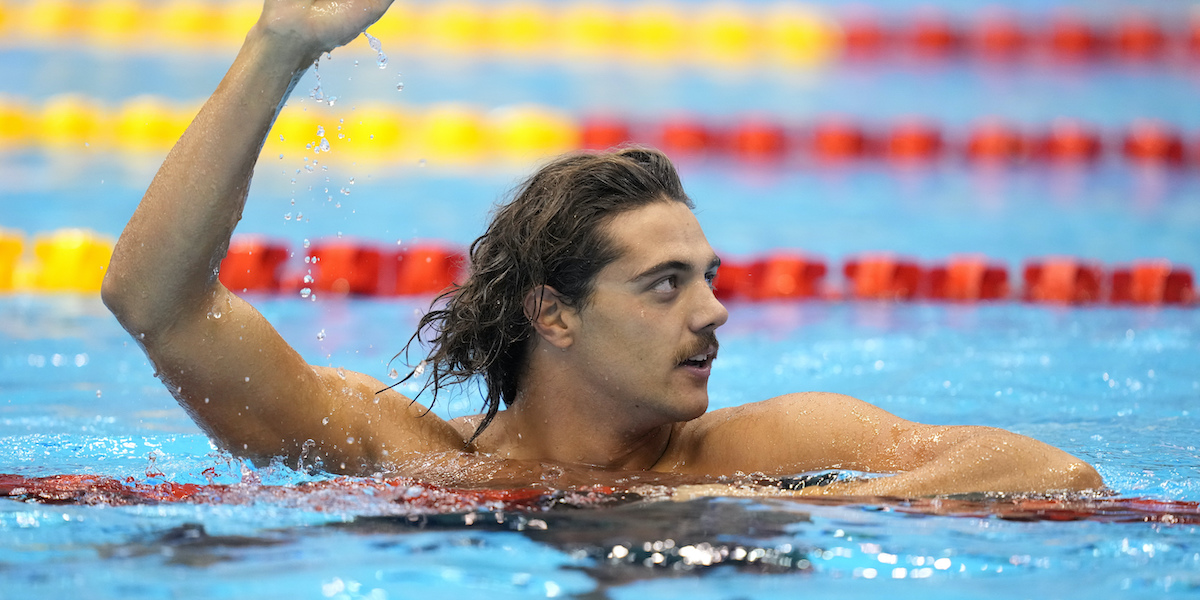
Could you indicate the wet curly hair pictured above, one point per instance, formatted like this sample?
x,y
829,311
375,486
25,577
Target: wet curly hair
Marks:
x,y
552,233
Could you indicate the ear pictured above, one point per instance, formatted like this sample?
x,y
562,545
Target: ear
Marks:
x,y
550,316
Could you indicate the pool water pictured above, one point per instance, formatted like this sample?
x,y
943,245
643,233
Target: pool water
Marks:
x,y
1118,386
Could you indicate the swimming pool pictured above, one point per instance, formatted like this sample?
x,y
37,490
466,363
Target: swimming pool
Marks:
x,y
1114,384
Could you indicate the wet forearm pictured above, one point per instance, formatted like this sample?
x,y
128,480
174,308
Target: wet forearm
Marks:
x,y
991,461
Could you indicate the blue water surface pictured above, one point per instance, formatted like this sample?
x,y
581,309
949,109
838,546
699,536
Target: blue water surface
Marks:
x,y
1116,386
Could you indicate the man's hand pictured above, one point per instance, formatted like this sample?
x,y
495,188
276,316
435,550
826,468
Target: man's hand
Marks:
x,y
319,26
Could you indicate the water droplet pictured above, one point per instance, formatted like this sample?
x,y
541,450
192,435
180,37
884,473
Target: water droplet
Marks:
x,y
308,279
324,147
216,314
320,130
304,292
350,440
351,181
420,370
308,168
321,335
247,380
393,374
378,48
325,421
98,395
307,243
341,373
345,192
287,217
400,87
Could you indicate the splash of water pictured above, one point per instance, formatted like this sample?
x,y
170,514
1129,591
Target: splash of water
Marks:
x,y
317,93
373,41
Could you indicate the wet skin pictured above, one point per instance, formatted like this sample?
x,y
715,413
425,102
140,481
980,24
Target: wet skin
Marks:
x,y
608,386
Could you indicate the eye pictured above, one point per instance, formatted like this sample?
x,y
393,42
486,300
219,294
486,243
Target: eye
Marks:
x,y
665,285
711,279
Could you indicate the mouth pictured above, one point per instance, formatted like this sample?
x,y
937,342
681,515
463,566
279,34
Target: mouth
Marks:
x,y
701,359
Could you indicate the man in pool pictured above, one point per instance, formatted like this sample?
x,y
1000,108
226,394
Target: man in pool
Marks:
x,y
588,311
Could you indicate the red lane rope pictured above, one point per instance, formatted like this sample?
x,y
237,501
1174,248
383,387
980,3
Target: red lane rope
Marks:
x,y
996,36
912,141
397,494
407,496
254,264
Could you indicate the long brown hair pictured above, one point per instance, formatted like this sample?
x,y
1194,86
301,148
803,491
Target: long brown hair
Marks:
x,y
550,233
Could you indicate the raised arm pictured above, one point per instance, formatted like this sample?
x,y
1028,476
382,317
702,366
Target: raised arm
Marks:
x,y
818,431
225,364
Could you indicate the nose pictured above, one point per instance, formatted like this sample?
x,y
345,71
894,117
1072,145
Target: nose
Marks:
x,y
710,313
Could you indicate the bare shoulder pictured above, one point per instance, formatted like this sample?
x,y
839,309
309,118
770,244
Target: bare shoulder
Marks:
x,y
785,434
822,406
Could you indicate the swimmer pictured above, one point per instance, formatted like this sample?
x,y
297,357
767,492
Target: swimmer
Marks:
x,y
588,312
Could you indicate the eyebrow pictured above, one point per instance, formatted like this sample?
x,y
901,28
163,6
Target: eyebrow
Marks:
x,y
674,265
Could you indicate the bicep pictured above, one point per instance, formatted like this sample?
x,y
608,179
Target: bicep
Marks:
x,y
252,392
230,369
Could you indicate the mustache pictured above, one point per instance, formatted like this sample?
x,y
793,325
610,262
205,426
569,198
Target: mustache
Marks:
x,y
704,341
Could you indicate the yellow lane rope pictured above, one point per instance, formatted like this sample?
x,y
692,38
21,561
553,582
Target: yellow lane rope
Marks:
x,y
785,34
371,133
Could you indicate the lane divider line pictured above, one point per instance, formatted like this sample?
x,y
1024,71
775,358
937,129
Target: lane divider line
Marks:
x,y
74,261
713,34
455,134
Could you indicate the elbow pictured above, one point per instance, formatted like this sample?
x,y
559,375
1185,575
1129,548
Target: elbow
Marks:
x,y
120,299
1079,476
130,303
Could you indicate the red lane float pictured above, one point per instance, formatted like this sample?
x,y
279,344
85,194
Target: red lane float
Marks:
x,y
913,141
882,277
428,270
1074,39
999,37
686,137
1071,142
787,276
1152,282
968,278
995,142
933,36
759,140
1140,38
252,264
345,267
863,36
1152,142
837,140
1062,280
602,133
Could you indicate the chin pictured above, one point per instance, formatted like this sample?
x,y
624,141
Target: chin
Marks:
x,y
693,408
